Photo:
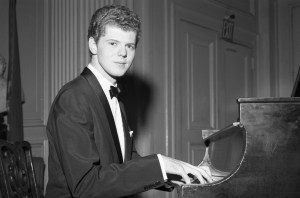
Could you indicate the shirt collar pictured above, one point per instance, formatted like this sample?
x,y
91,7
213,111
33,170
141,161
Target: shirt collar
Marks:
x,y
105,84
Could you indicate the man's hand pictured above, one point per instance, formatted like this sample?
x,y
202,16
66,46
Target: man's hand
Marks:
x,y
183,169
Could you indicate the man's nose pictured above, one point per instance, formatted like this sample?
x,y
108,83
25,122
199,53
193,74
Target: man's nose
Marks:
x,y
122,51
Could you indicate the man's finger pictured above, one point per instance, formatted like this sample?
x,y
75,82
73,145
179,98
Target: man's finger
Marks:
x,y
186,178
203,174
206,174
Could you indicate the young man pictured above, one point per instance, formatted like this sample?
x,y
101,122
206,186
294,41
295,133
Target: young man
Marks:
x,y
89,140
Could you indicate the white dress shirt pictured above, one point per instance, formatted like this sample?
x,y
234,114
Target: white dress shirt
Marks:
x,y
115,109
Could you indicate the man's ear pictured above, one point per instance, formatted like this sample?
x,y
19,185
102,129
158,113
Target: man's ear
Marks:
x,y
93,45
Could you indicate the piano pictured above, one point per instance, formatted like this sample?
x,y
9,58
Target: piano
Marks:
x,y
266,155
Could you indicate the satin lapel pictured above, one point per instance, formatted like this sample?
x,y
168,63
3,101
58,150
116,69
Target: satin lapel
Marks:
x,y
92,80
128,139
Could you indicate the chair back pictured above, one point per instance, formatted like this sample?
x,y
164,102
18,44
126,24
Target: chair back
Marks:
x,y
17,176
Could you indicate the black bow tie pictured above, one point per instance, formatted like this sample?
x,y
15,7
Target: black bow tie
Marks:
x,y
114,91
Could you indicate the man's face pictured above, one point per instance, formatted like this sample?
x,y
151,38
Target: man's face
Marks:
x,y
114,52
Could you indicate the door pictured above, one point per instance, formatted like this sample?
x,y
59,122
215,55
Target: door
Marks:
x,y
195,88
235,79
210,75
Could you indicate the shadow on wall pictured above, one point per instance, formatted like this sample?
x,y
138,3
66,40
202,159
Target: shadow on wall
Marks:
x,y
137,97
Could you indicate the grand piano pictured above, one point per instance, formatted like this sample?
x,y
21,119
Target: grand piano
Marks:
x,y
266,155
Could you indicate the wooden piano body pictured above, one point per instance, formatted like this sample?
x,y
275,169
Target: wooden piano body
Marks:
x,y
269,161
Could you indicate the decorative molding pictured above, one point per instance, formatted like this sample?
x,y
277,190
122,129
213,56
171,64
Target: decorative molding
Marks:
x,y
195,152
31,51
239,6
284,72
194,44
34,122
40,148
170,78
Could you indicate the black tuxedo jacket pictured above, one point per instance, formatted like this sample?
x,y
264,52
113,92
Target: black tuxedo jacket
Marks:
x,y
85,158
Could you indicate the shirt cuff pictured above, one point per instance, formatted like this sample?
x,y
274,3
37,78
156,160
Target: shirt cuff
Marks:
x,y
162,166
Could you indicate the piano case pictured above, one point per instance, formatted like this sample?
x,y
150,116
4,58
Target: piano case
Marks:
x,y
269,161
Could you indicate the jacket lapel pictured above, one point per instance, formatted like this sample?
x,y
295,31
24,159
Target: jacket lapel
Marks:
x,y
93,82
128,139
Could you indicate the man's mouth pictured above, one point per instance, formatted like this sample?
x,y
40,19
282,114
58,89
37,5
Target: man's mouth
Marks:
x,y
121,63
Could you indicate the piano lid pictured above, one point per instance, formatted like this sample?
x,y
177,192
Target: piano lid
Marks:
x,y
296,87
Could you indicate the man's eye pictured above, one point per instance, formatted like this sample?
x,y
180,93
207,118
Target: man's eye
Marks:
x,y
113,43
131,46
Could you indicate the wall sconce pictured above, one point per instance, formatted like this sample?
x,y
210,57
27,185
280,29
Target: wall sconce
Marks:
x,y
228,27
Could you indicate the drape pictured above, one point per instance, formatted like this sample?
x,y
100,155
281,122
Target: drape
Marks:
x,y
14,90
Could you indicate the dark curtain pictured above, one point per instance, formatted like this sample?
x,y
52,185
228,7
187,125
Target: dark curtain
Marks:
x,y
14,90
